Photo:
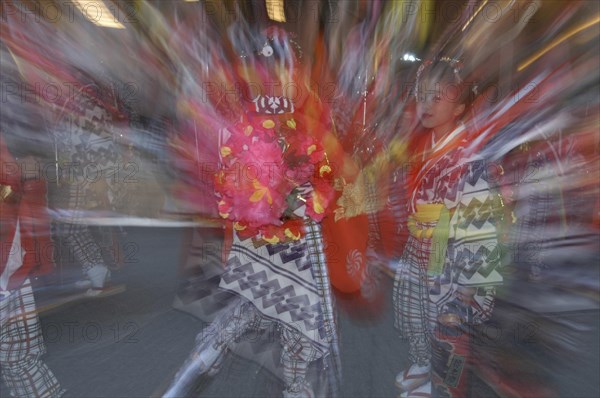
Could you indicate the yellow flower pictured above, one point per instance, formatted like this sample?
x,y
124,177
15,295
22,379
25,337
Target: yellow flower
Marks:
x,y
223,215
274,239
291,124
259,193
239,227
324,170
248,130
225,151
268,124
318,203
291,235
311,149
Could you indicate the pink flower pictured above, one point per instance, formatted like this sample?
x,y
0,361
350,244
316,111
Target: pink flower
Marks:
x,y
263,161
260,169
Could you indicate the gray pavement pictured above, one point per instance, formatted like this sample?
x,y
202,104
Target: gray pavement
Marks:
x,y
132,343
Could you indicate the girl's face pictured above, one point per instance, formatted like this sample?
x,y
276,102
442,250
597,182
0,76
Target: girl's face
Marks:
x,y
438,105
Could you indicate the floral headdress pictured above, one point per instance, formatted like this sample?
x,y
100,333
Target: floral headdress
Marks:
x,y
457,69
455,64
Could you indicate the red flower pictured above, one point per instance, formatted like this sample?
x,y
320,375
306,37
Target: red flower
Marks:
x,y
293,229
319,200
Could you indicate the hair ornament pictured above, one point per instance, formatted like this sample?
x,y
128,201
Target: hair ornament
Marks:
x,y
454,63
267,50
274,33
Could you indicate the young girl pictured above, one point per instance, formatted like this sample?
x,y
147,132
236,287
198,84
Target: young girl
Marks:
x,y
446,274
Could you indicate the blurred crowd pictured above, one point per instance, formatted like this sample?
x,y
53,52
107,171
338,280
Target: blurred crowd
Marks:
x,y
312,149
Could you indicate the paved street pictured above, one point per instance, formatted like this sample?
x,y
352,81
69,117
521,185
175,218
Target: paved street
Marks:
x,y
130,344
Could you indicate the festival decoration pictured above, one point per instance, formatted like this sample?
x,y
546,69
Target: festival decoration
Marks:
x,y
272,174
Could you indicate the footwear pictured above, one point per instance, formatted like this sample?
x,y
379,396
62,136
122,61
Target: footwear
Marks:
x,y
212,359
98,276
413,377
83,284
210,352
299,390
201,361
423,391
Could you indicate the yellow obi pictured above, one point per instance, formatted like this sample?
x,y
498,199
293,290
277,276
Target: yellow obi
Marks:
x,y
426,213
429,213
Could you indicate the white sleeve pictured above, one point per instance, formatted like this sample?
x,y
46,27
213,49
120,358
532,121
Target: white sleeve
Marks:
x,y
15,258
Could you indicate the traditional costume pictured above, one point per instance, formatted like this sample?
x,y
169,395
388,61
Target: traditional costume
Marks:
x,y
274,184
448,271
91,177
25,252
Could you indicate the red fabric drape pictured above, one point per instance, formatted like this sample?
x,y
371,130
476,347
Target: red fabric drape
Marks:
x,y
28,205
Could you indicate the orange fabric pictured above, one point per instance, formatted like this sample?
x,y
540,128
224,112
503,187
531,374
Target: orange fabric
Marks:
x,y
345,243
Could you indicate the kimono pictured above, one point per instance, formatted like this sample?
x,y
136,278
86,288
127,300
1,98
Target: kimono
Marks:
x,y
276,292
91,175
452,246
25,253
286,283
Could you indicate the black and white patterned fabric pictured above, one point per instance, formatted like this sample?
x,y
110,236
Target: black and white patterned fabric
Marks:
x,y
281,297
22,346
91,176
268,105
549,212
279,280
88,154
199,293
472,257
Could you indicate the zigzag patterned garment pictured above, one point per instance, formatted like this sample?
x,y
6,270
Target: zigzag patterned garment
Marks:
x,y
472,256
88,154
288,286
285,282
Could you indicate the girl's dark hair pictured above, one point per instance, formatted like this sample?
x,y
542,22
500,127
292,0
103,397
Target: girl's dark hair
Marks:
x,y
447,71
